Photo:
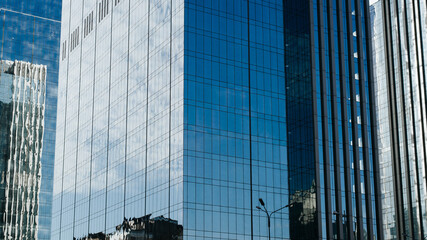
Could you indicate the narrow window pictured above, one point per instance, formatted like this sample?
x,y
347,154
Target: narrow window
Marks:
x,y
104,9
100,12
84,27
64,49
91,21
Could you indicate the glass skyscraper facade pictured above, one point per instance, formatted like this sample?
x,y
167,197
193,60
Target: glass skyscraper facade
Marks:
x,y
29,31
196,109
329,83
400,48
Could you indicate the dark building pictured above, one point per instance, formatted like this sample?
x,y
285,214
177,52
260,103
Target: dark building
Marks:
x,y
330,119
400,55
30,31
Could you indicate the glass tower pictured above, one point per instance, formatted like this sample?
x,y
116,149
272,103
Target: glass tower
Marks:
x,y
400,48
196,109
29,31
333,182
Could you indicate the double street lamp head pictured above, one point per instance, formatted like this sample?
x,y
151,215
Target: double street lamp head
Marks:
x,y
262,202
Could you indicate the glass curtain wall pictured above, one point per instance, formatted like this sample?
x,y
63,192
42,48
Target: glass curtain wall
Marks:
x,y
399,42
30,31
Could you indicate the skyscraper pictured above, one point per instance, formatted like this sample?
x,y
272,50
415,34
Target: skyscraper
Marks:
x,y
29,31
196,109
330,120
22,105
400,49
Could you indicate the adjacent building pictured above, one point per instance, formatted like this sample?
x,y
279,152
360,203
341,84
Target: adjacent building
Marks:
x,y
30,31
331,120
399,42
22,108
196,109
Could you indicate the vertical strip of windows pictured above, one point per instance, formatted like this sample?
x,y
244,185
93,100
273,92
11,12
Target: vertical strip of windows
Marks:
x,y
78,127
347,207
127,112
325,180
397,185
313,41
108,121
377,208
65,127
332,20
413,160
146,106
250,119
357,220
92,117
404,161
170,107
364,167
423,91
421,71
419,108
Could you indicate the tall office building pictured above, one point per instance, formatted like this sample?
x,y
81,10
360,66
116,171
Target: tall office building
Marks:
x,y
400,49
330,120
30,31
22,107
196,109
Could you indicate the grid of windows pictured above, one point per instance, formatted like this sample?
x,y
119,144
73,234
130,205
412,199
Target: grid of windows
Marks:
x,y
120,117
235,134
399,41
30,32
88,24
344,155
188,109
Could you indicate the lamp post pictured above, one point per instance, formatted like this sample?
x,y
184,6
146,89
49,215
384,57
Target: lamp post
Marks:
x,y
270,214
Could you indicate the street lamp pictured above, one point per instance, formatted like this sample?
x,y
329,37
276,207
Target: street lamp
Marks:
x,y
269,214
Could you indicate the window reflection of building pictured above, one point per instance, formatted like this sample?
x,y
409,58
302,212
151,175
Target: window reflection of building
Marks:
x,y
143,228
22,104
302,213
399,40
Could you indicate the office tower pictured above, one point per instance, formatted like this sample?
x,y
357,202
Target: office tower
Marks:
x,y
331,120
196,109
22,105
30,31
399,42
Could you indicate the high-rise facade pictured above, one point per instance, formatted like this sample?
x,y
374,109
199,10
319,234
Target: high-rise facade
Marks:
x,y
330,120
196,109
400,49
22,107
30,31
